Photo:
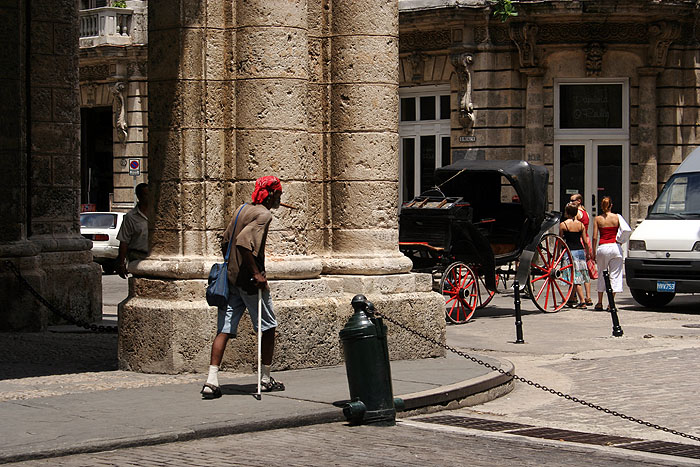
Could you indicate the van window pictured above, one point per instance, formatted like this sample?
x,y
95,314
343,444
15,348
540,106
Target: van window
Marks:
x,y
679,198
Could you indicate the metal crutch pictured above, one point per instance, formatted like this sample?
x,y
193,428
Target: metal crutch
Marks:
x,y
258,396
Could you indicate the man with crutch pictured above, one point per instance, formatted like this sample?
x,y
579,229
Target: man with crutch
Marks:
x,y
248,288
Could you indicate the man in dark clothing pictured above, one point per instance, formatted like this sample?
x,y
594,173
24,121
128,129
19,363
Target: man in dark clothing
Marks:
x,y
246,274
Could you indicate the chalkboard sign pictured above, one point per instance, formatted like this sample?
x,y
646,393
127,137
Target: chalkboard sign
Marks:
x,y
590,106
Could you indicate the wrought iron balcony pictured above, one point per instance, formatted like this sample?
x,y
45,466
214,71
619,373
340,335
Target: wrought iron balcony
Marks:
x,y
105,25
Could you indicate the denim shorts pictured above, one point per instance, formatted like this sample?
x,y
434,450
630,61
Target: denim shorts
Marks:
x,y
238,301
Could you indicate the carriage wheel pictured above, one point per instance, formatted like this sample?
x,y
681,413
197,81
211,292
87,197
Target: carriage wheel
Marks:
x,y
459,287
551,279
485,295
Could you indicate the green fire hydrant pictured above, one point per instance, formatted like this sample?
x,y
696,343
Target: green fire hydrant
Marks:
x,y
367,364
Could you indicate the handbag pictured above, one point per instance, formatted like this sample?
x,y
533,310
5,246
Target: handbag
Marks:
x,y
217,288
624,231
592,268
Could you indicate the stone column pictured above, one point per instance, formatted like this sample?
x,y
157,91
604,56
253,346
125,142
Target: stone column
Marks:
x,y
272,138
47,183
20,309
364,139
165,324
212,132
647,148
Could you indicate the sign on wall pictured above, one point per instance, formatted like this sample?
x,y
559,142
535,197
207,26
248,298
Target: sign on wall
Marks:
x,y
134,167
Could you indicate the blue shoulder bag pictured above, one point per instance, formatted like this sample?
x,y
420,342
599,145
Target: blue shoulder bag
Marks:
x,y
217,290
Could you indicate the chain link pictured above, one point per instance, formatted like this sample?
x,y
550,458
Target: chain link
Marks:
x,y
537,385
76,321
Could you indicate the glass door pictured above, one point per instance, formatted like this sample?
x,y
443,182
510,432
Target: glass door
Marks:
x,y
594,168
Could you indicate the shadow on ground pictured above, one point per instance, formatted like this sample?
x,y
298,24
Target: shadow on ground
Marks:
x,y
51,353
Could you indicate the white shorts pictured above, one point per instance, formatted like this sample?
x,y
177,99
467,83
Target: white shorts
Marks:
x,y
609,256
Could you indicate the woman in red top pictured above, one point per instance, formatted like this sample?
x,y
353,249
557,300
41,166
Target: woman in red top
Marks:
x,y
582,216
608,254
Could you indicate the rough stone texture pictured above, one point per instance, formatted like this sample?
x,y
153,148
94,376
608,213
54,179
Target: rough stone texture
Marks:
x,y
40,233
286,97
173,328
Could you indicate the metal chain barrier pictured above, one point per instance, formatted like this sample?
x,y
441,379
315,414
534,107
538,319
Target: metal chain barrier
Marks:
x,y
536,385
78,322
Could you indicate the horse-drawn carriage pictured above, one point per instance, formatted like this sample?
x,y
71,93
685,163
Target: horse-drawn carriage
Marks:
x,y
484,223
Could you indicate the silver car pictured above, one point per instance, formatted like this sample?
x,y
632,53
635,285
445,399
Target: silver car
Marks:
x,y
102,228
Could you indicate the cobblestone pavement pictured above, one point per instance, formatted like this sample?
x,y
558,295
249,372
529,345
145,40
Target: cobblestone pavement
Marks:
x,y
337,444
650,373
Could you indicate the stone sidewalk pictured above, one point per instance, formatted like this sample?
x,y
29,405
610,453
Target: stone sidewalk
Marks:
x,y
59,414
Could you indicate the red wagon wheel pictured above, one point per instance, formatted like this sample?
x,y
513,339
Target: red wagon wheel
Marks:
x,y
551,279
459,286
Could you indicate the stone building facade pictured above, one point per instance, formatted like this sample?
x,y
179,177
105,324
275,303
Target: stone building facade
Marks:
x,y
602,93
113,101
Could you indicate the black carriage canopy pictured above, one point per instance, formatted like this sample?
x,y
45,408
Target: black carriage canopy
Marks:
x,y
479,182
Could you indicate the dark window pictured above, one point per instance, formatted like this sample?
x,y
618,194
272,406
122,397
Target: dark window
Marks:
x,y
445,107
409,168
610,175
427,108
427,162
446,159
590,106
408,109
571,173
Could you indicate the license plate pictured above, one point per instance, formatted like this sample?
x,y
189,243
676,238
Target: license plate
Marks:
x,y
665,286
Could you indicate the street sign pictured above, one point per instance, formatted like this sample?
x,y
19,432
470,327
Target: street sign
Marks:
x,y
467,139
134,167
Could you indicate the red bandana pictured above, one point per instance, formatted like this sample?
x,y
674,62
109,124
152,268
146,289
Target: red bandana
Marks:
x,y
263,185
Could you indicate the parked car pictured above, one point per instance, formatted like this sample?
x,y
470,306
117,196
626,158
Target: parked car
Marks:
x,y
664,251
102,228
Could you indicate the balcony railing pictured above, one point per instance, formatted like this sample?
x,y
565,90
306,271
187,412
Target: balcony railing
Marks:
x,y
106,25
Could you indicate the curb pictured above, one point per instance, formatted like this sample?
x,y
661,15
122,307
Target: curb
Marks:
x,y
436,399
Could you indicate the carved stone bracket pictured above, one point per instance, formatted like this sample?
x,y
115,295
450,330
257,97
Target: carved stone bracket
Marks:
x,y
417,61
120,111
594,58
463,66
525,37
136,69
661,35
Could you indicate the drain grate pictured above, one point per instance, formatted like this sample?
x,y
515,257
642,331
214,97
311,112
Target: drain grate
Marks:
x,y
475,423
693,325
665,447
622,442
574,436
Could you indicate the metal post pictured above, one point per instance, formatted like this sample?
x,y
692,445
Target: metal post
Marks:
x,y
617,329
518,316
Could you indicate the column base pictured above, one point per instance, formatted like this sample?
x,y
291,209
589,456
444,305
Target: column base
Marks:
x,y
73,280
21,311
166,326
370,264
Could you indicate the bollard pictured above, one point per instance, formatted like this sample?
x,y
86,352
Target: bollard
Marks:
x,y
617,329
366,354
518,315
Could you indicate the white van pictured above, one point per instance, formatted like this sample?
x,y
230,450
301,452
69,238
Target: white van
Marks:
x,y
664,251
